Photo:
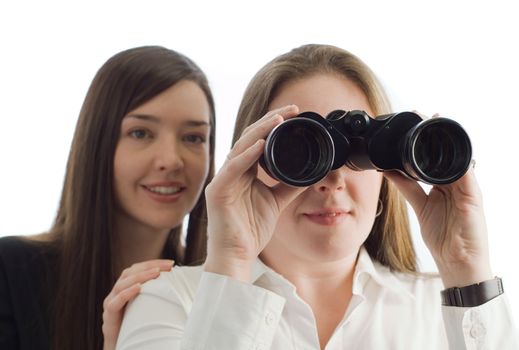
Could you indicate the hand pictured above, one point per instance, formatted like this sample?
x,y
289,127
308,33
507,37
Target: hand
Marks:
x,y
125,289
453,227
242,211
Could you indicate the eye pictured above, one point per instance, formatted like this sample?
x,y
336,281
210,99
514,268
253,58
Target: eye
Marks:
x,y
140,134
194,138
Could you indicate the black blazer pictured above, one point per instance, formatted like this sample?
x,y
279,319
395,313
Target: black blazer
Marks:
x,y
27,281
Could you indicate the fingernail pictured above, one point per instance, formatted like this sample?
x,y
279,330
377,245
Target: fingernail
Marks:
x,y
275,119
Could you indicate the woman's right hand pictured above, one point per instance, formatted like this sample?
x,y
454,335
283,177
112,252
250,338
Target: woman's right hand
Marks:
x,y
242,211
125,289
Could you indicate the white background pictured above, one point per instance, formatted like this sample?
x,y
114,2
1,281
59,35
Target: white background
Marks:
x,y
457,58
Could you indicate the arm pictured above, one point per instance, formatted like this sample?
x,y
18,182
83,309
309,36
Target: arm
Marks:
x,y
242,211
453,227
488,326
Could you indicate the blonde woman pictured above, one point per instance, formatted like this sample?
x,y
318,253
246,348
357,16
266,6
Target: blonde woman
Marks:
x,y
331,265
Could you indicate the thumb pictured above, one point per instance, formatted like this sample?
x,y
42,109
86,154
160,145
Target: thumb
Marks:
x,y
285,194
410,189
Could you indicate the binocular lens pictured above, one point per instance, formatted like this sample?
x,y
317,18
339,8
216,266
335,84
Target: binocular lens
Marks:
x,y
299,152
440,151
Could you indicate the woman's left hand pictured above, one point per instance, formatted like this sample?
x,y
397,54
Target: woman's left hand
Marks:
x,y
453,227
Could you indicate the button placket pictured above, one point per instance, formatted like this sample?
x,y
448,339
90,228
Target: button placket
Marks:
x,y
477,331
270,319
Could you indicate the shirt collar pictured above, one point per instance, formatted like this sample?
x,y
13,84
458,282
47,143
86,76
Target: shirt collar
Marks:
x,y
365,270
260,270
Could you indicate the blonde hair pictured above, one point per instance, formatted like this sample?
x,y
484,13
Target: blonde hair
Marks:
x,y
389,241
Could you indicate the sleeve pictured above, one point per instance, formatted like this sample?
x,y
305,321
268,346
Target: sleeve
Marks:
x,y
488,326
8,330
225,314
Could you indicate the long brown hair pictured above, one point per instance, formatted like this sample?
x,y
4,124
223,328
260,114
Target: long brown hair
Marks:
x,y
81,235
390,240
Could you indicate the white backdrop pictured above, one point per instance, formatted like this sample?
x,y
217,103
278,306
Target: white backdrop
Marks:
x,y
457,58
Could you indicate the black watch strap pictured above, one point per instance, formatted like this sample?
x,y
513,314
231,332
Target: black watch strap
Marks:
x,y
473,295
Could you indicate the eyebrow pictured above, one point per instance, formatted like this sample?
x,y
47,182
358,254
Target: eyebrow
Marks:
x,y
155,119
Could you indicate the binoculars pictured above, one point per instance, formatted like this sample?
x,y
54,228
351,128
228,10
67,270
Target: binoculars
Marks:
x,y
302,150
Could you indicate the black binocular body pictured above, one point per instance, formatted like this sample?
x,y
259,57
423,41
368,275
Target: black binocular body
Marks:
x,y
302,150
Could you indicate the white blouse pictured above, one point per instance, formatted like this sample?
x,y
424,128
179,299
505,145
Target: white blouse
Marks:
x,y
188,308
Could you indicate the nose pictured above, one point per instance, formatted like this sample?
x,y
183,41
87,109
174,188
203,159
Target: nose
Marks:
x,y
334,181
168,156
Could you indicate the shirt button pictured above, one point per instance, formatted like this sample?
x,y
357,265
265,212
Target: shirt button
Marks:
x,y
270,318
477,331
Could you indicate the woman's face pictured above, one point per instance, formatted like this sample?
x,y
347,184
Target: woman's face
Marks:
x,y
162,158
332,218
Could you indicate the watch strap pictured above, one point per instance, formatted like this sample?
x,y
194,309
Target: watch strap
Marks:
x,y
473,295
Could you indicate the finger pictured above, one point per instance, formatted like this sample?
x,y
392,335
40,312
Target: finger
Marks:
x,y
285,194
410,189
467,188
117,303
285,112
423,116
233,169
261,129
162,264
139,277
258,133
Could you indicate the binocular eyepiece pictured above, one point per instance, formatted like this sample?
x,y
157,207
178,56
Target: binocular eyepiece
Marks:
x,y
302,150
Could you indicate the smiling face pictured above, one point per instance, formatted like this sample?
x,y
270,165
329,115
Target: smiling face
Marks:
x,y
332,218
162,157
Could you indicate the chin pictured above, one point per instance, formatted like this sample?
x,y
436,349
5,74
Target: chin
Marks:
x,y
334,248
162,224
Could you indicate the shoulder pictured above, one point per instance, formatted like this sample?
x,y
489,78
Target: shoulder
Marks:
x,y
419,278
420,282
419,285
26,263
179,284
16,248
423,291
24,289
17,243
21,251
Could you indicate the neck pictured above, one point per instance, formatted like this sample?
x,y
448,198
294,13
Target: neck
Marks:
x,y
312,277
136,243
326,286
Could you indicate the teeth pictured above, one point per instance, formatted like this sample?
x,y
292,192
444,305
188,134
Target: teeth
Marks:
x,y
164,190
328,214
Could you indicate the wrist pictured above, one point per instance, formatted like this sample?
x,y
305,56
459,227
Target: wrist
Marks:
x,y
234,268
461,275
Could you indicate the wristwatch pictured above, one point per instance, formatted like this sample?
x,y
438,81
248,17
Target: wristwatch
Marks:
x,y
473,295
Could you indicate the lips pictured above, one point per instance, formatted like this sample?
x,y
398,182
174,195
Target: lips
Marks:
x,y
327,217
164,189
164,192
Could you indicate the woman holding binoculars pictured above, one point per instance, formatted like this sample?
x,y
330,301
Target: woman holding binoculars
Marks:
x,y
330,265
